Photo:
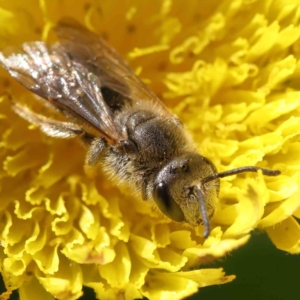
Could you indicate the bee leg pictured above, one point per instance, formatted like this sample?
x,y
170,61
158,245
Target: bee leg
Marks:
x,y
146,178
49,126
144,190
96,149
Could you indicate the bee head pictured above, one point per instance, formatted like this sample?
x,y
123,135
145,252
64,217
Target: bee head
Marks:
x,y
179,193
187,187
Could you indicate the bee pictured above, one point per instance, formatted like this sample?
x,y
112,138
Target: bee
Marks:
x,y
128,130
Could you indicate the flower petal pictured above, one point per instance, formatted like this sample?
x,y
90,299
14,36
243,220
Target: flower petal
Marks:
x,y
286,235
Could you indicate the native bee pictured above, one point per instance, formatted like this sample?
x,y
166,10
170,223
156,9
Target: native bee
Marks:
x,y
128,129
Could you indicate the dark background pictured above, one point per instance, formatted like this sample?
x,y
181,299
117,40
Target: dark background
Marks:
x,y
263,272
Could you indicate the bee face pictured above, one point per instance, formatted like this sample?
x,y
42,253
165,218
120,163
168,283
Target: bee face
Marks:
x,y
175,188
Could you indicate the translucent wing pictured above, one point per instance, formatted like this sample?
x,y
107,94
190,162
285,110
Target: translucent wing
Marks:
x,y
114,73
49,72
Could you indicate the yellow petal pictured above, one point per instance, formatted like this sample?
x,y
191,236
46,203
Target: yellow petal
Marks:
x,y
280,211
182,284
286,235
117,272
34,291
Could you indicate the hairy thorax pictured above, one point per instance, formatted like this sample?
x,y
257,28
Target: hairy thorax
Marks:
x,y
153,140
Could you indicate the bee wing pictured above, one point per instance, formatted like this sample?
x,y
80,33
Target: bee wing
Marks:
x,y
49,72
108,65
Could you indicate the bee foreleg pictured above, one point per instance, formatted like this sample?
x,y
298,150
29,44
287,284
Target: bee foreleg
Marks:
x,y
146,178
96,148
49,126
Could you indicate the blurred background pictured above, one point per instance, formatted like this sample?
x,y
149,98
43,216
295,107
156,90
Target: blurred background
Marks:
x,y
262,271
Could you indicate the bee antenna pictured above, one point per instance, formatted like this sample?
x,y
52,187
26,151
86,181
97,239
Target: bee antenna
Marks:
x,y
203,211
215,176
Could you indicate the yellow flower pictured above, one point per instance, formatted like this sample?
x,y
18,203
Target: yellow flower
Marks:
x,y
230,70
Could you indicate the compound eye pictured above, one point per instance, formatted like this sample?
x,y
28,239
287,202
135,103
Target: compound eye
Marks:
x,y
166,203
